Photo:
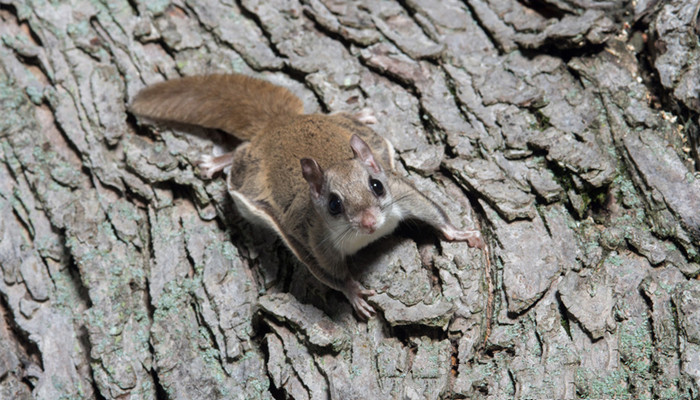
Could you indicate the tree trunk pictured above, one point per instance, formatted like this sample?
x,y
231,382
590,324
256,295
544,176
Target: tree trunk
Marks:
x,y
567,131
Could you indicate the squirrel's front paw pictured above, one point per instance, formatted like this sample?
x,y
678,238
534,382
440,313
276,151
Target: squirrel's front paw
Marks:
x,y
472,237
356,294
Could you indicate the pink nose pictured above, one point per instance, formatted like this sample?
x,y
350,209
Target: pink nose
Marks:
x,y
368,221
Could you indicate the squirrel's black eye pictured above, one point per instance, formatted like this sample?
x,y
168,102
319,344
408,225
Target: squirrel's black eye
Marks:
x,y
335,206
377,187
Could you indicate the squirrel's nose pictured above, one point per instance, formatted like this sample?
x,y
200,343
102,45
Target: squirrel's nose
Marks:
x,y
368,221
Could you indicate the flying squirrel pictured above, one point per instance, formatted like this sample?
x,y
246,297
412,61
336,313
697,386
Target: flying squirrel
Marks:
x,y
324,183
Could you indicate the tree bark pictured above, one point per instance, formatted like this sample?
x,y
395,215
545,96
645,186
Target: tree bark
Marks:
x,y
567,131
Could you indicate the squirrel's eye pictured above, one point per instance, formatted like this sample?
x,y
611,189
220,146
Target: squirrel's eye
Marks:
x,y
377,187
335,206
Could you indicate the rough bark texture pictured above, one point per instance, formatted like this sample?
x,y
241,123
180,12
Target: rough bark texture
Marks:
x,y
567,130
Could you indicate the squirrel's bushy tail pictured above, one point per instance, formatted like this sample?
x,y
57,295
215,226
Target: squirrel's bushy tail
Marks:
x,y
238,104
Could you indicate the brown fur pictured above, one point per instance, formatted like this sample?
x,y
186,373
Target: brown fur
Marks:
x,y
238,104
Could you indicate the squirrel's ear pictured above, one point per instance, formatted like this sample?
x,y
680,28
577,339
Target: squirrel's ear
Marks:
x,y
313,174
364,153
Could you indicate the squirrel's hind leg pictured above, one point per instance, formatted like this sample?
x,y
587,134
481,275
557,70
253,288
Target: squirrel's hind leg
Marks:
x,y
209,165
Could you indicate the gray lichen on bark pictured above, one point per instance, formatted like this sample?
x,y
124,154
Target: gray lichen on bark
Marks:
x,y
566,130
